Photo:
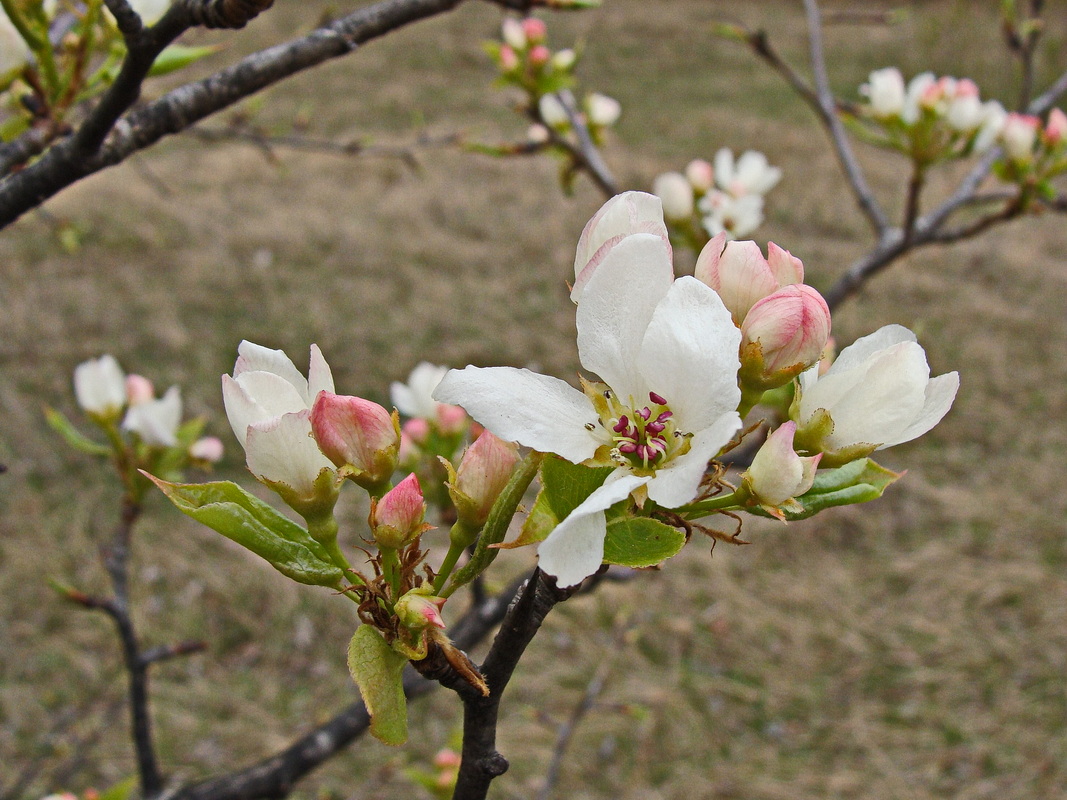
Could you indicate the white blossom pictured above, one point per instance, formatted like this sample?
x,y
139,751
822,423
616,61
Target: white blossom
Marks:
x,y
100,386
156,421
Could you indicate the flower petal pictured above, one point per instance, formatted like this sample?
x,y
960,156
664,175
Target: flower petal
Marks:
x,y
689,355
517,405
255,397
156,421
575,549
320,378
281,450
866,346
940,392
622,215
678,482
256,358
415,398
616,307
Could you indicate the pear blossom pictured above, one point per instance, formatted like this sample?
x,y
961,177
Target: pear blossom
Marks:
x,y
483,473
1019,135
622,215
965,111
676,194
415,398
398,518
782,335
268,403
740,274
878,393
666,351
100,386
539,55
918,96
563,60
751,174
602,110
734,216
885,91
700,174
1056,127
777,474
207,448
156,421
993,118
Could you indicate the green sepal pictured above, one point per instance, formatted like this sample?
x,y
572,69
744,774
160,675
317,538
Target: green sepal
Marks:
x,y
857,482
641,542
564,486
376,669
79,441
227,508
178,56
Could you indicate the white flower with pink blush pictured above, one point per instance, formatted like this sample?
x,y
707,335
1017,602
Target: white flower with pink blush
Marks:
x,y
666,353
750,174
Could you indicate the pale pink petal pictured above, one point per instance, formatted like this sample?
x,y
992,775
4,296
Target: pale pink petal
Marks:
x,y
517,405
866,346
689,355
629,212
786,267
616,307
281,450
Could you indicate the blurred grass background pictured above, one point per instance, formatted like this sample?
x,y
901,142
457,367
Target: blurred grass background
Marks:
x,y
913,648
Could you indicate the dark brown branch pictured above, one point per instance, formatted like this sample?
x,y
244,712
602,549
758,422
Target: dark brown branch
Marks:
x,y
276,776
481,762
87,152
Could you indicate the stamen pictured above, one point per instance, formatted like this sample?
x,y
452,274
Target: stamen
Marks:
x,y
657,399
655,427
644,413
628,447
621,425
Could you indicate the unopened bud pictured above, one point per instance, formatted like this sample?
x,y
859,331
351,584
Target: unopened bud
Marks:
x,y
100,387
356,433
782,335
207,448
535,30
552,112
482,475
701,174
777,473
564,59
417,429
512,33
540,55
1019,136
451,419
509,61
1056,128
676,194
398,518
602,110
418,611
139,389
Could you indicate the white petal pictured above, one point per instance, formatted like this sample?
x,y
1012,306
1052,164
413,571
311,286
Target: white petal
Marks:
x,y
255,397
157,421
256,358
415,398
100,385
282,450
724,168
866,346
320,378
517,405
689,355
884,402
940,392
616,307
630,212
575,549
678,482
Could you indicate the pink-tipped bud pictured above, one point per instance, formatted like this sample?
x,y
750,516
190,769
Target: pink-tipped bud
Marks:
x,y
482,475
512,33
535,30
398,518
785,266
540,55
1056,129
1019,135
139,390
357,433
965,87
738,272
777,473
676,194
451,419
417,429
208,448
509,61
446,758
701,174
782,335
418,611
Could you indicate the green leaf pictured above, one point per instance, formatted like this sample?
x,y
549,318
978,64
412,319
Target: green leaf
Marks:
x,y
376,669
61,425
641,542
564,486
177,57
227,508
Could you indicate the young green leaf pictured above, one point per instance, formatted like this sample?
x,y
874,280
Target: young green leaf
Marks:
x,y
376,669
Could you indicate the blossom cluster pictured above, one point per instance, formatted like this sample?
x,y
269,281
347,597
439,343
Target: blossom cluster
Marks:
x,y
724,198
678,362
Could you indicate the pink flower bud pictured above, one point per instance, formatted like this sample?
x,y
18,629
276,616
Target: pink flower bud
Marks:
x,y
738,272
509,61
534,29
777,473
139,389
418,611
483,473
540,55
208,448
357,433
417,429
785,266
446,758
676,194
791,327
1019,135
1056,128
700,174
398,518
451,419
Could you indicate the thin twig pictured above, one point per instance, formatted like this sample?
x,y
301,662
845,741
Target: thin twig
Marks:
x,y
568,728
864,197
587,155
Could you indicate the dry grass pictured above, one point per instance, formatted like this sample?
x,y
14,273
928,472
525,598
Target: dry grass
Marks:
x,y
915,648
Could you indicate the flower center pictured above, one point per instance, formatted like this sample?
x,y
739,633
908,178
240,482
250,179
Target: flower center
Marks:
x,y
642,437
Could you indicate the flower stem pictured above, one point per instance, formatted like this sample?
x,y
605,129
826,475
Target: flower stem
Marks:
x,y
712,504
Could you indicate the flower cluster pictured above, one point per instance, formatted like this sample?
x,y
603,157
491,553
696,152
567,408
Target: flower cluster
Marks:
x,y
677,363
1033,152
726,198
929,119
